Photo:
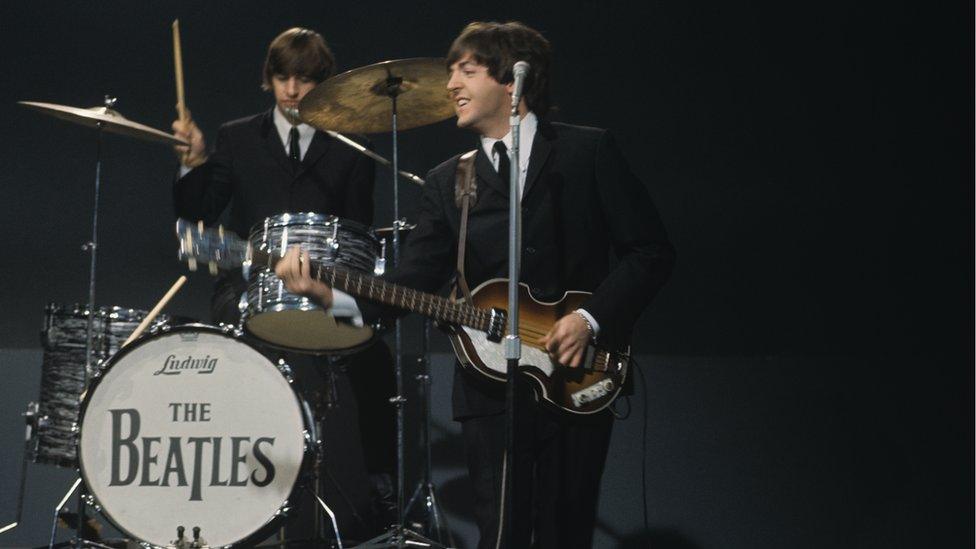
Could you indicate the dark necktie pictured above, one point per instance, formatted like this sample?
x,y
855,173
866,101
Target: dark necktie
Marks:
x,y
504,166
293,150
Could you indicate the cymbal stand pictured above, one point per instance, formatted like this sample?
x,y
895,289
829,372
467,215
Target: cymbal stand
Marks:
x,y
424,496
30,416
398,535
92,247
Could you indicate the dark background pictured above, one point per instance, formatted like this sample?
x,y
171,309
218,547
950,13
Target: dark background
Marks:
x,y
813,163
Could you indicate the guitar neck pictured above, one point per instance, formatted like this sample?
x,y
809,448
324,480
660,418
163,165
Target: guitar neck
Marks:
x,y
376,289
219,249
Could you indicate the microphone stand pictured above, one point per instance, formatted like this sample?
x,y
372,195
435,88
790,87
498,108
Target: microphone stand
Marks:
x,y
513,344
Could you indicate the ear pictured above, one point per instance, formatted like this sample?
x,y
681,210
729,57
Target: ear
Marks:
x,y
510,88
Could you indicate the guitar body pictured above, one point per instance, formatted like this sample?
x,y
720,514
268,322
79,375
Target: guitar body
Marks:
x,y
584,390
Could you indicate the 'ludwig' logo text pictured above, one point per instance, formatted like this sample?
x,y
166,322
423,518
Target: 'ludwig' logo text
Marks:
x,y
173,366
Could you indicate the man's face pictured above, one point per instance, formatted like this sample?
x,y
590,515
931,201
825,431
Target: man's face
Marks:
x,y
480,102
290,89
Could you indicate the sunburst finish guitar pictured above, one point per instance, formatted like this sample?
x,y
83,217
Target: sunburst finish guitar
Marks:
x,y
475,330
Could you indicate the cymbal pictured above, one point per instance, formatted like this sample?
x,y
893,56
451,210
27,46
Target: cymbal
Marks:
x,y
359,101
110,119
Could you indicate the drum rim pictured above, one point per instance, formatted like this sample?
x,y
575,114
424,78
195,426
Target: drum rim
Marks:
x,y
309,218
308,454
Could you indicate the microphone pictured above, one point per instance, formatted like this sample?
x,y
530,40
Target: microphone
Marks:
x,y
293,113
519,70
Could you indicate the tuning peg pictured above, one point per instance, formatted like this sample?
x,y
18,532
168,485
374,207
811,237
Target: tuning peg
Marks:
x,y
191,263
213,268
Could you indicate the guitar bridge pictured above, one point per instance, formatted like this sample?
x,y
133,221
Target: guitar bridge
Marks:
x,y
496,325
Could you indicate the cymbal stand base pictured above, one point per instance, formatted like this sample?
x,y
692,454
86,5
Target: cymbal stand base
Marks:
x,y
400,537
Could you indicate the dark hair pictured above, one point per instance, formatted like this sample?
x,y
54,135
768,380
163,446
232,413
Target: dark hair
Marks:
x,y
300,52
498,46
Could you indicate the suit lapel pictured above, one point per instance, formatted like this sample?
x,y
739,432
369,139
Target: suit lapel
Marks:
x,y
541,146
320,143
273,143
486,172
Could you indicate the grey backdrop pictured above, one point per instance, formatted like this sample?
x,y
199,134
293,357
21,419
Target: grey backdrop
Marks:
x,y
810,363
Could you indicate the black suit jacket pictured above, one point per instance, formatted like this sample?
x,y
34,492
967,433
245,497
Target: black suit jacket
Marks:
x,y
588,224
250,171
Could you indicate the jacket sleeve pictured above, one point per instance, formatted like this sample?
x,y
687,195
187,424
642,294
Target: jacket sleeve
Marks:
x,y
640,244
203,193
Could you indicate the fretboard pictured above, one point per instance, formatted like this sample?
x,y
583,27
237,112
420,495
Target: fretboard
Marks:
x,y
376,289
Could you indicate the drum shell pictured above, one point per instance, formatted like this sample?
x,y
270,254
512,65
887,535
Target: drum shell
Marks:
x,y
64,340
272,312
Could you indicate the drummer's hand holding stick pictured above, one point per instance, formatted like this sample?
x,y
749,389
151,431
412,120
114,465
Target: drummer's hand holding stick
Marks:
x,y
183,126
187,130
295,270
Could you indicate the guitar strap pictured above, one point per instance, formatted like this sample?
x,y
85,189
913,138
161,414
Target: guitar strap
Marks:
x,y
465,193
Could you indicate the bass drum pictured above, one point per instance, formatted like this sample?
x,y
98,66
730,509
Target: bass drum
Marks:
x,y
193,427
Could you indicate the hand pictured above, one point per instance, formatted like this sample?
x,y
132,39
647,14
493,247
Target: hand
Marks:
x,y
196,153
294,269
567,340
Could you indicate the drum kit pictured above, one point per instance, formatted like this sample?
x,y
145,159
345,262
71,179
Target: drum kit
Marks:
x,y
189,426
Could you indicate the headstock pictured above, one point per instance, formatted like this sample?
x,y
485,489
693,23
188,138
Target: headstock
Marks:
x,y
215,247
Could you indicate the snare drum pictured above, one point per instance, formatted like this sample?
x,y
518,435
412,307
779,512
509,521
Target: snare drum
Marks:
x,y
286,320
193,427
65,335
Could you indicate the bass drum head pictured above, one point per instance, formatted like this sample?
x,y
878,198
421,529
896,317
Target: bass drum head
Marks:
x,y
191,427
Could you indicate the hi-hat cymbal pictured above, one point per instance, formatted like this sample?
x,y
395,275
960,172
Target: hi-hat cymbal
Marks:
x,y
110,120
359,101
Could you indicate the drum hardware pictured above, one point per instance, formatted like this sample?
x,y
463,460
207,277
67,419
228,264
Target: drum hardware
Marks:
x,y
182,543
368,100
31,419
430,519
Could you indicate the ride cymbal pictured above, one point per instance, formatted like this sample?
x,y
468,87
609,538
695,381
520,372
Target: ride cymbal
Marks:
x,y
360,100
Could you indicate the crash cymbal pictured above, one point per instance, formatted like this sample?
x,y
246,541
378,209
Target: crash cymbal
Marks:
x,y
110,119
358,101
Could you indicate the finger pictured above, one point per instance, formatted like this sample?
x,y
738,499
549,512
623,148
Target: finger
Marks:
x,y
305,264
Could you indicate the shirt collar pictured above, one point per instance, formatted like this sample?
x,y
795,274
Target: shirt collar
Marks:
x,y
527,128
284,127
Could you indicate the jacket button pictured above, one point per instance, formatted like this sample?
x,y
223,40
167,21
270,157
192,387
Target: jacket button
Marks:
x,y
529,250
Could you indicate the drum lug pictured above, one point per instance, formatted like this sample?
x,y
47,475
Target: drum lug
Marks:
x,y
284,510
380,267
285,370
90,501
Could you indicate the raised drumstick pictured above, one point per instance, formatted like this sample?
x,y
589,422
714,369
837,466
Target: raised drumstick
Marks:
x,y
178,64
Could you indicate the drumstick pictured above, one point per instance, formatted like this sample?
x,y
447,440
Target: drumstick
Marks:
x,y
178,63
155,312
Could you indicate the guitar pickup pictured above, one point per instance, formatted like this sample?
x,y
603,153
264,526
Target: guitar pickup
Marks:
x,y
596,391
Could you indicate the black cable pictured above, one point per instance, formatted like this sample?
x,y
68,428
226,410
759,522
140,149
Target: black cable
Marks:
x,y
618,415
643,441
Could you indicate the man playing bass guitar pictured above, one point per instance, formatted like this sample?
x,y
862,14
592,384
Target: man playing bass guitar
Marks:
x,y
588,224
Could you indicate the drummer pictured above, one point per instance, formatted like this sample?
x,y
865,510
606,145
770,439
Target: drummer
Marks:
x,y
272,163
